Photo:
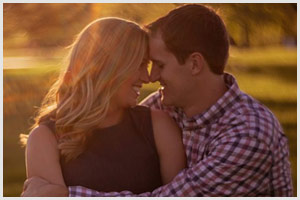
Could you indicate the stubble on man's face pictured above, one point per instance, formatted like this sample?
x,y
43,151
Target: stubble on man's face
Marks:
x,y
167,70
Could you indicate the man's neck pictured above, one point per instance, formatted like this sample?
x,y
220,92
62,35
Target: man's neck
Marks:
x,y
206,96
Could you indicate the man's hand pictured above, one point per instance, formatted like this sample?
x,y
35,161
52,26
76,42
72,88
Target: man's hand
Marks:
x,y
38,187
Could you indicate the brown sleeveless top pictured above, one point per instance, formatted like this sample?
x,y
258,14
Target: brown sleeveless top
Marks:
x,y
117,158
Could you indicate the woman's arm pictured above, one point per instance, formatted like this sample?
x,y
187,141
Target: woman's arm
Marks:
x,y
42,160
169,145
38,187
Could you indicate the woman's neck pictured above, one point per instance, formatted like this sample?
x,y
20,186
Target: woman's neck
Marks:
x,y
113,117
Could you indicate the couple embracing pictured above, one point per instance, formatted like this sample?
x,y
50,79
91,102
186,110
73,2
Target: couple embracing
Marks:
x,y
198,135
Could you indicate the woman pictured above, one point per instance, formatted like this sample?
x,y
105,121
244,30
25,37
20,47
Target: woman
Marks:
x,y
90,132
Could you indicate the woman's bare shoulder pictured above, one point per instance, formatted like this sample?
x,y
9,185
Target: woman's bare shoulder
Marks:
x,y
165,129
42,155
162,120
160,117
169,145
41,135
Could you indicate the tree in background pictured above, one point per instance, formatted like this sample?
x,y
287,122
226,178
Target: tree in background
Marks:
x,y
44,25
260,24
50,25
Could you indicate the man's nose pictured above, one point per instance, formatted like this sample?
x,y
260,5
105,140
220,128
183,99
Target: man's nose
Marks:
x,y
154,74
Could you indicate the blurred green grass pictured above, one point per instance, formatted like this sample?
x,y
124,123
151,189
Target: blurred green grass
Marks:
x,y
268,74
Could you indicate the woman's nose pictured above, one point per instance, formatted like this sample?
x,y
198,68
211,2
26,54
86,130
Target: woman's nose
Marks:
x,y
144,76
155,74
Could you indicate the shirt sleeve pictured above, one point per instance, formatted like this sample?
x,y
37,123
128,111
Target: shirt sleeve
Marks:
x,y
234,166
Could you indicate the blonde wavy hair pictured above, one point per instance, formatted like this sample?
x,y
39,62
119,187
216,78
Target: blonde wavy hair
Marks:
x,y
104,54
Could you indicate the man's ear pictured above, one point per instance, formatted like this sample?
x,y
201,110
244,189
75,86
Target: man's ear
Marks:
x,y
197,63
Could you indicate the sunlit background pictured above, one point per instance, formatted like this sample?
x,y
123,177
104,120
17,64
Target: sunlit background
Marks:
x,y
263,59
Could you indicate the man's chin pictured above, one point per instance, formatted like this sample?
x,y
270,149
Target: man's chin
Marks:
x,y
166,101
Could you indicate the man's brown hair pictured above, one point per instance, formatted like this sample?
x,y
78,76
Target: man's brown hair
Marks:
x,y
194,28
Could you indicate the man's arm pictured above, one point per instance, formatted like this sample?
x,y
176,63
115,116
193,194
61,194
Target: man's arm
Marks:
x,y
235,166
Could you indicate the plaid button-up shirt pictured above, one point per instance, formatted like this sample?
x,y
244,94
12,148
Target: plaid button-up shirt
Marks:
x,y
235,148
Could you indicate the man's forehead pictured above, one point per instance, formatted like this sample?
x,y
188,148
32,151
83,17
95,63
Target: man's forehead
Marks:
x,y
156,38
157,47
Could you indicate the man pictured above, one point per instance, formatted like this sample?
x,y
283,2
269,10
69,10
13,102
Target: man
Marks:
x,y
235,146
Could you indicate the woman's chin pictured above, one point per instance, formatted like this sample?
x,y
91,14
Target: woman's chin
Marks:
x,y
132,103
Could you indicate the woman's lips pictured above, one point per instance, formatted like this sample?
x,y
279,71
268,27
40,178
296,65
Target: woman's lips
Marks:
x,y
137,90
